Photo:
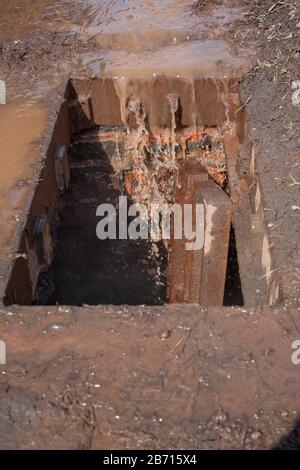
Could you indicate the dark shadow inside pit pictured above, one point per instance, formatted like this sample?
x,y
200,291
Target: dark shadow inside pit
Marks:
x,y
87,270
84,269
233,294
290,441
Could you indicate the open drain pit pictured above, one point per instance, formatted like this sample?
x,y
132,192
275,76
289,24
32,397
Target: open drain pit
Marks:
x,y
86,270
109,146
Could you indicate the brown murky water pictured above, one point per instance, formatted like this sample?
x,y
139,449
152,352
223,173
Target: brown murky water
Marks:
x,y
21,124
135,38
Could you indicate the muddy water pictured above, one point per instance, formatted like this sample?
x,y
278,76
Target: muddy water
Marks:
x,y
135,37
19,126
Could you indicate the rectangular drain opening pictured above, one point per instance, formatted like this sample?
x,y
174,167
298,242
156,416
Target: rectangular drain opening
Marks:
x,y
86,270
176,151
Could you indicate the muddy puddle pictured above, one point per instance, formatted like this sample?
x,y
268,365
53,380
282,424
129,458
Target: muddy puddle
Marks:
x,y
107,99
20,126
131,38
110,166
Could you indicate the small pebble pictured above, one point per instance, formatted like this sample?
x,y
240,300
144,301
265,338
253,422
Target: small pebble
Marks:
x,y
165,335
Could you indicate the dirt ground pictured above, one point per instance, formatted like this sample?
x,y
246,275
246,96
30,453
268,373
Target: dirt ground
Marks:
x,y
170,377
134,378
274,121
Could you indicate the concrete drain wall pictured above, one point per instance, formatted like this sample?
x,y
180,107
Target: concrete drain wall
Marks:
x,y
160,141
